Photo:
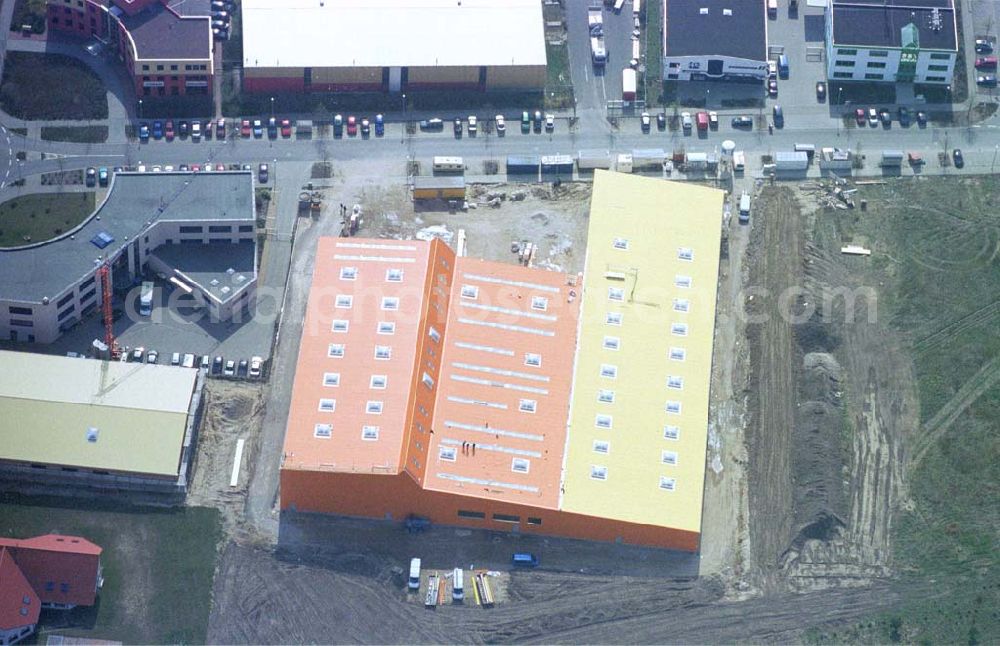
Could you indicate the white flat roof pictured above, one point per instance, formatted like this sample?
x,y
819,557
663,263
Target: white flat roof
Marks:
x,y
392,33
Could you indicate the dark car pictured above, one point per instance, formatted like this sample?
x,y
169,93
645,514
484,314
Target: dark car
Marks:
x,y
143,132
91,176
779,117
742,122
431,125
904,117
458,126
258,129
885,116
366,127
538,121
272,128
262,174
984,46
525,123
241,370
921,118
157,130
184,128
102,176
217,366
379,125
661,121
820,91
957,156
772,87
168,131
986,80
338,125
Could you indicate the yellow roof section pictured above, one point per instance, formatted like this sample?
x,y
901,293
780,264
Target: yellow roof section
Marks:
x,y
48,406
639,411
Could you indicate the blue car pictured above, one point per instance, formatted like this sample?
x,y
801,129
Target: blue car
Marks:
x,y
143,133
379,125
157,130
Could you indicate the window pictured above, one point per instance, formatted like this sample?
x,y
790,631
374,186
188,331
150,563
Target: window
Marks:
x,y
369,433
684,282
611,343
685,253
534,521
677,383
669,457
941,57
613,318
679,329
681,305
470,291
383,352
378,382
539,303
506,518
393,275
19,310
671,432
219,228
603,421
842,75
598,472
463,513
874,77
50,586
340,325
847,52
373,408
244,228
191,229
875,65
673,408
606,396
427,380
386,327
348,273
667,483
527,405
323,431
390,303
930,79
335,350
520,465
65,299
620,243
434,334
937,68
344,301
609,371
677,354
602,446
878,53
616,294
331,379
844,63
447,453
534,360
327,405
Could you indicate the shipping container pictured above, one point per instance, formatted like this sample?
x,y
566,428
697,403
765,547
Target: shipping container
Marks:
x,y
788,161
448,164
557,164
648,158
439,188
591,159
523,164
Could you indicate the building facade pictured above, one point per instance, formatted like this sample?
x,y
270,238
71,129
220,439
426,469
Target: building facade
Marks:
x,y
895,42
723,40
165,53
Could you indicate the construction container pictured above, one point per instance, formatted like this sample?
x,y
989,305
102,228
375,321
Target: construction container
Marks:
x,y
557,164
696,161
892,158
643,158
439,188
523,164
591,159
790,161
624,163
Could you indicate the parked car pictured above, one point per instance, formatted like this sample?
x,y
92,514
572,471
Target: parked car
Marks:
x,y
473,124
102,176
820,91
984,46
195,168
262,174
245,127
241,370
885,116
921,118
538,121
686,121
195,131
143,133
713,120
772,69
366,127
272,128
958,157
986,80
859,116
661,121
352,126
872,117
184,168
379,125
778,116
152,356
168,131
986,63
217,366
501,125
157,130
772,87
255,367
904,116
91,176
230,369
137,354
743,122
220,129
431,125
702,120
338,125
206,362
550,123
175,359
220,167
644,122
286,128
525,123
258,128
457,126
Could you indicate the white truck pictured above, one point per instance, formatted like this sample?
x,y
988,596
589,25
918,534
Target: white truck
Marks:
x,y
739,161
146,299
595,23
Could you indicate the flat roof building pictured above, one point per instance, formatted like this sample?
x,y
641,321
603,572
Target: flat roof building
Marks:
x,y
97,423
479,393
714,40
387,45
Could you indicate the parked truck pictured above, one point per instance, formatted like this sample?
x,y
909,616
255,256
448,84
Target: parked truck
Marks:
x,y
146,299
628,84
595,22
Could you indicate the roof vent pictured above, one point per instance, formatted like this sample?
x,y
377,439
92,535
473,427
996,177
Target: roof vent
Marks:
x,y
230,271
92,435
727,12
225,289
703,11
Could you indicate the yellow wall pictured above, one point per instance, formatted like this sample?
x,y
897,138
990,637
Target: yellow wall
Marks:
x,y
347,75
515,76
656,217
463,74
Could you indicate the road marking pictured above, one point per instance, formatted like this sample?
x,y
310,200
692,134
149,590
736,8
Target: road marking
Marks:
x,y
586,74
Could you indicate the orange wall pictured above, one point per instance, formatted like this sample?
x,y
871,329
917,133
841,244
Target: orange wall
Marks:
x,y
397,496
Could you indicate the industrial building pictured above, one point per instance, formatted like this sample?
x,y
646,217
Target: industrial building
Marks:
x,y
503,397
196,229
97,424
893,41
390,46
714,40
51,571
166,50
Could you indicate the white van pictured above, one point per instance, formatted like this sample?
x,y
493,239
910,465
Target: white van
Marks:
x,y
449,164
458,585
744,208
414,581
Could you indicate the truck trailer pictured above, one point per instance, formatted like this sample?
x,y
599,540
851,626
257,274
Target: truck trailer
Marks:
x,y
595,22
628,84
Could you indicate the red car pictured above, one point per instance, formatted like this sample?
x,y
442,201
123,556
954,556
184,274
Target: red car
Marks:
x,y
168,131
196,168
352,126
286,128
986,63
859,116
702,120
220,167
245,127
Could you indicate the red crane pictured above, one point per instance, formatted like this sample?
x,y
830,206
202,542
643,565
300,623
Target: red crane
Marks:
x,y
104,273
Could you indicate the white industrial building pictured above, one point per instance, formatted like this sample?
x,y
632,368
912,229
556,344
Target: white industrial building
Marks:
x,y
714,40
197,229
895,41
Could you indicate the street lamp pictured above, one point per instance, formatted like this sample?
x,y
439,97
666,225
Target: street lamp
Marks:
x,y
402,133
140,108
272,107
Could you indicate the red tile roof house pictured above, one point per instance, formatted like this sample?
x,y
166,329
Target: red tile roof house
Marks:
x,y
51,571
